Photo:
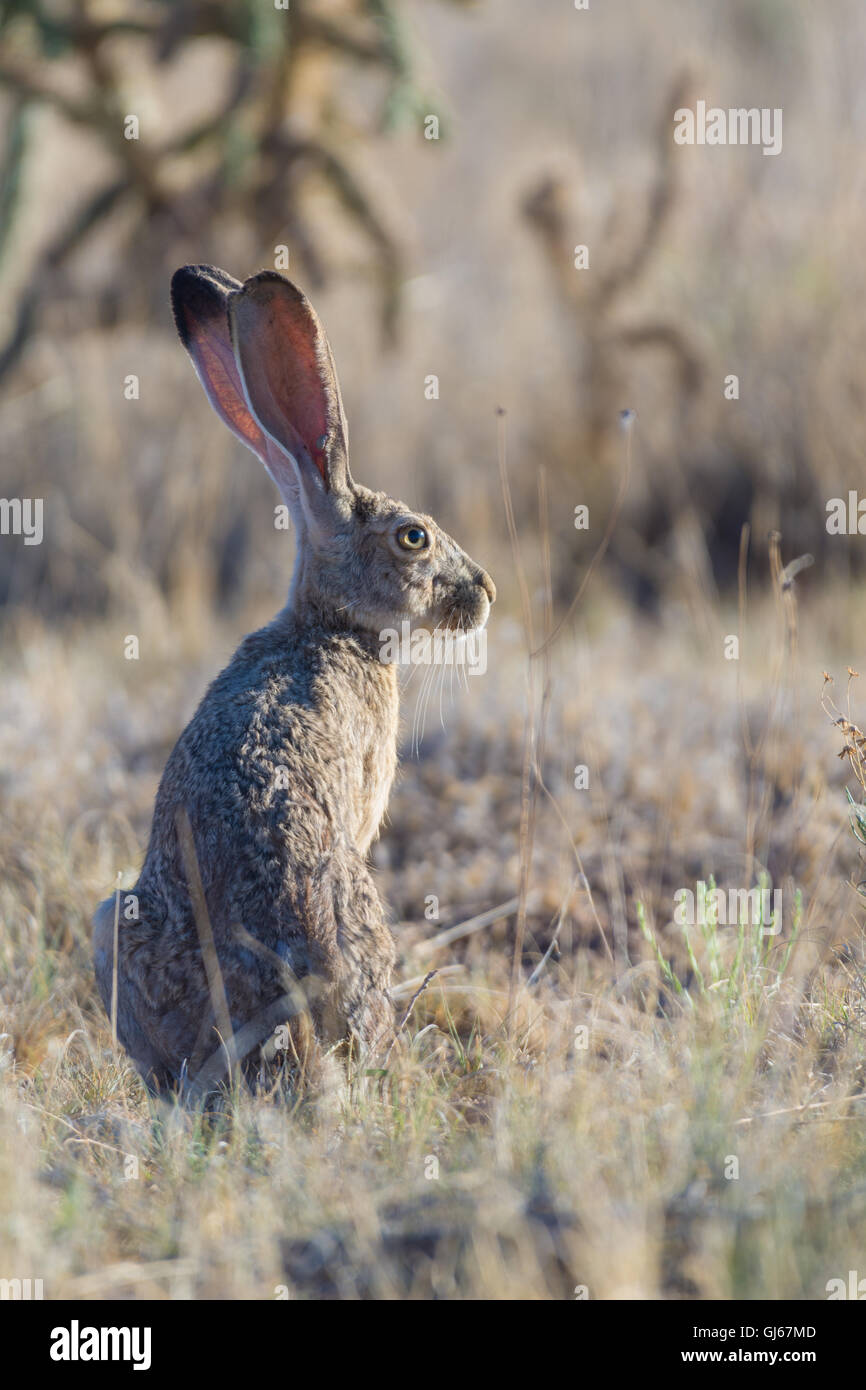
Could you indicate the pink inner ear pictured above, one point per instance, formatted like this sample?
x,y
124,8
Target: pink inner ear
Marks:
x,y
218,371
295,380
286,368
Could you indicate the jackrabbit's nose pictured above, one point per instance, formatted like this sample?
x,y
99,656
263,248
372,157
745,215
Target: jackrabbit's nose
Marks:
x,y
483,578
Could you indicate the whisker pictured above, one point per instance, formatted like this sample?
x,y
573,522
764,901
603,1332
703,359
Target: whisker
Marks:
x,y
429,684
420,711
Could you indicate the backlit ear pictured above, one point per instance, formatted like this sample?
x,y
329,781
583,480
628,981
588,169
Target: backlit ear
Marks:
x,y
288,377
199,300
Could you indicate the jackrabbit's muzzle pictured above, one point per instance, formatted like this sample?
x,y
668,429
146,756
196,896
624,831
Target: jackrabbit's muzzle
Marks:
x,y
470,608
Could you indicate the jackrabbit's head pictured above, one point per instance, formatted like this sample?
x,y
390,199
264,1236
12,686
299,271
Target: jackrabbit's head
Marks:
x,y
363,559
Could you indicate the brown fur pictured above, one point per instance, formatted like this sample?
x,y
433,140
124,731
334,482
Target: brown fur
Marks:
x,y
286,767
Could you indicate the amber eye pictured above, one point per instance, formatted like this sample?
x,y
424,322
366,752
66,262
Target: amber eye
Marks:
x,y
413,537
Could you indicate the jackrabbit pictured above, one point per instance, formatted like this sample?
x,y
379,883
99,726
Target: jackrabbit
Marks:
x,y
255,906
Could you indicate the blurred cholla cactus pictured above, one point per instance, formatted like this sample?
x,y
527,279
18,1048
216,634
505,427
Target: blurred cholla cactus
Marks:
x,y
593,301
280,121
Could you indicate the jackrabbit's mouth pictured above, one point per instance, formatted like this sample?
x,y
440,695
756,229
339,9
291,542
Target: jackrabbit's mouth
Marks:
x,y
465,620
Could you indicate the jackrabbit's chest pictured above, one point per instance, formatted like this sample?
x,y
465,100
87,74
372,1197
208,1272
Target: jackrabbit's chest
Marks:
x,y
378,777
334,758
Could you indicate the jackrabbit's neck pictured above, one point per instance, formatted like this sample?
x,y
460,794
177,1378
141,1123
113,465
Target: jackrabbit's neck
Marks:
x,y
317,621
338,673
308,607
312,632
305,601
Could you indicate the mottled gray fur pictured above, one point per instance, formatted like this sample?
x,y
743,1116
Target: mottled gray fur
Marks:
x,y
285,769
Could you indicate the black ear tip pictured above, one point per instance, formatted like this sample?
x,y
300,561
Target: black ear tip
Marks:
x,y
197,292
182,277
182,285
182,291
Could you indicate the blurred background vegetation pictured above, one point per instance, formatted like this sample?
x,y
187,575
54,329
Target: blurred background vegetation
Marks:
x,y
260,128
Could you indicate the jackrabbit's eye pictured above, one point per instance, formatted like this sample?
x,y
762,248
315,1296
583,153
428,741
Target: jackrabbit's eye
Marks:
x,y
413,537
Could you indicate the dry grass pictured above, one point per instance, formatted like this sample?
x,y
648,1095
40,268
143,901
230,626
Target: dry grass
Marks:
x,y
581,1138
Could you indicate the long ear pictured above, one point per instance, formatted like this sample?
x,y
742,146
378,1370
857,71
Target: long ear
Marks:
x,y
199,301
289,380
